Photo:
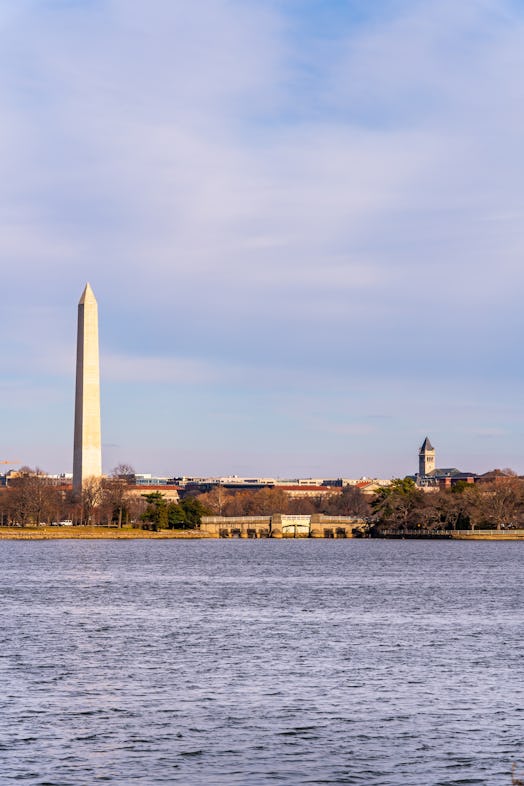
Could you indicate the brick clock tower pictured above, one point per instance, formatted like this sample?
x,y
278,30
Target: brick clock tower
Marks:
x,y
426,458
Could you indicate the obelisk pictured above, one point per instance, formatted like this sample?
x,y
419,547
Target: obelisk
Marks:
x,y
87,459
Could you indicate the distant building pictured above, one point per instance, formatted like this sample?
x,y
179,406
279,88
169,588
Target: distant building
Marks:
x,y
496,476
169,493
147,479
371,487
431,477
426,458
294,487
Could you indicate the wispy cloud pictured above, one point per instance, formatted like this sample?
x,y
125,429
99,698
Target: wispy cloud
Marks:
x,y
150,370
262,198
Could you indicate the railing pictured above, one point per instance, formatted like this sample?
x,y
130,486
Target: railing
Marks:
x,y
508,533
451,533
226,520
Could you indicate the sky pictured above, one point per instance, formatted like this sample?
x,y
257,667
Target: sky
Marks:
x,y
302,221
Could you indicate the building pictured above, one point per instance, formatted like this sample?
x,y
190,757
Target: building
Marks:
x,y
430,477
426,458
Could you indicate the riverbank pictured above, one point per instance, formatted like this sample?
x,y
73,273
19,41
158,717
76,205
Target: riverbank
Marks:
x,y
481,534
129,533
94,533
489,534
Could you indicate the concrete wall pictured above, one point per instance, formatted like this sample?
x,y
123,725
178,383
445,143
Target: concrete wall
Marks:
x,y
279,526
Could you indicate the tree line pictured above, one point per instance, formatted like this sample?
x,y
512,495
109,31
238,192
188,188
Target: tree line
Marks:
x,y
399,508
33,499
350,501
402,507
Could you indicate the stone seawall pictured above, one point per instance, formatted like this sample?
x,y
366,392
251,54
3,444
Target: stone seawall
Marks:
x,y
280,525
93,533
489,534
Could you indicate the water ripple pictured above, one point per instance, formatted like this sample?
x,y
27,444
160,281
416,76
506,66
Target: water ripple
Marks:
x,y
253,663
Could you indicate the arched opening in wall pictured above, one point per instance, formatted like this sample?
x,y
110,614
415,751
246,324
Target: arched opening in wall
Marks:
x,y
328,533
341,532
251,533
223,533
236,533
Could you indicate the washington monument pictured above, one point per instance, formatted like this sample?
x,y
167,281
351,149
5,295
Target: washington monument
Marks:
x,y
87,459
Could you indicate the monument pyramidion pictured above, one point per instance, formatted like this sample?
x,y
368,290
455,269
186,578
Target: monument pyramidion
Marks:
x,y
87,458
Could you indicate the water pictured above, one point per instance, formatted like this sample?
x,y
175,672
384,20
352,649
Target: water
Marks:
x,y
250,663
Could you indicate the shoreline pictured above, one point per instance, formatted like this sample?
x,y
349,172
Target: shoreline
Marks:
x,y
81,532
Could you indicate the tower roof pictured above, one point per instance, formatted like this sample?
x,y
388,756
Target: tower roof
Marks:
x,y
426,445
87,295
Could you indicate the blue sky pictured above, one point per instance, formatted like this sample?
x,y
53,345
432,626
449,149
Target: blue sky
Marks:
x,y
302,220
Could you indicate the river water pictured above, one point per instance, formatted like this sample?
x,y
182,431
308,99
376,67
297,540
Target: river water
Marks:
x,y
250,663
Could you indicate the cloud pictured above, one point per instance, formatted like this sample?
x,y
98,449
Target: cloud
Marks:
x,y
259,199
148,370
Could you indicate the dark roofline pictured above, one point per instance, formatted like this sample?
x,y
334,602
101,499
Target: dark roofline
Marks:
x,y
426,445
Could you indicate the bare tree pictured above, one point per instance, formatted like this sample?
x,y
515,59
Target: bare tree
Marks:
x,y
92,497
216,499
500,503
350,502
116,498
33,500
124,472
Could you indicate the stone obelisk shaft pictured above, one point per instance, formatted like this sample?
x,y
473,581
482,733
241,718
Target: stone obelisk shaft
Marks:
x,y
87,460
